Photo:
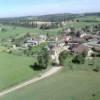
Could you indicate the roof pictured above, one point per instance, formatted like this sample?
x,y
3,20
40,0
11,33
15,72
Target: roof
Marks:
x,y
88,36
97,49
80,49
77,40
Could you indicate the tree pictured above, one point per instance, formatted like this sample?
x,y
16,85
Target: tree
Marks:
x,y
43,58
62,57
3,30
72,31
78,33
78,59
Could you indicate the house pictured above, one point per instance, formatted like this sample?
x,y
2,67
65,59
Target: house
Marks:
x,y
86,36
55,50
75,40
14,46
31,42
43,37
52,39
83,35
79,49
67,31
67,38
97,49
98,33
90,53
54,53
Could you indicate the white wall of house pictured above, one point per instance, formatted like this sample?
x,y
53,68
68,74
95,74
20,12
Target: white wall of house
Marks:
x,y
90,52
83,35
14,47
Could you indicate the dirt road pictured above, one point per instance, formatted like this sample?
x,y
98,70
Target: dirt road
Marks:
x,y
44,75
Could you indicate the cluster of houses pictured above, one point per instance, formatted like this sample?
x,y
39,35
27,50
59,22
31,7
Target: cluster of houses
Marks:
x,y
77,44
31,41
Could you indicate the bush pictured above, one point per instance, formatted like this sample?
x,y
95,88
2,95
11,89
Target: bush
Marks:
x,y
78,59
98,54
97,69
43,58
62,57
3,30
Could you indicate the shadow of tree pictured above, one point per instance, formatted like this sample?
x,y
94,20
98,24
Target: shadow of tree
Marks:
x,y
36,67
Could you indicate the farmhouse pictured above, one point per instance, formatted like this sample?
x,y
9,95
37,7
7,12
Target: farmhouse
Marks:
x,y
31,42
67,31
98,33
87,36
80,49
42,38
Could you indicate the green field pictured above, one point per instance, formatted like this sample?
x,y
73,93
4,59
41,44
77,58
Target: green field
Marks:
x,y
89,18
12,32
79,25
14,69
65,85
78,83
20,31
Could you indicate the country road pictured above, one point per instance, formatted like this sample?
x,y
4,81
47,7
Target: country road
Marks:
x,y
44,75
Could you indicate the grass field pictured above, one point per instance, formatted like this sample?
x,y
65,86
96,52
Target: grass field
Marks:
x,y
80,84
89,18
20,31
12,32
65,85
14,69
79,25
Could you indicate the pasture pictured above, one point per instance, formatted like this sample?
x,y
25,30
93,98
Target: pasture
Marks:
x,y
21,31
81,83
79,25
17,32
65,85
14,69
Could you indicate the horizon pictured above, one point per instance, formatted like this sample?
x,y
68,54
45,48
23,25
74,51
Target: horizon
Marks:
x,y
21,8
46,15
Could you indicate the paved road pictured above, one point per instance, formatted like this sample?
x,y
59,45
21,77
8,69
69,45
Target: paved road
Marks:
x,y
45,75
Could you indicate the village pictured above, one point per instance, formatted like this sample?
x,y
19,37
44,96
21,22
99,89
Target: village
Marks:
x,y
49,49
77,41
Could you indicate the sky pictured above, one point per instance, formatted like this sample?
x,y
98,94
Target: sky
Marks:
x,y
15,8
